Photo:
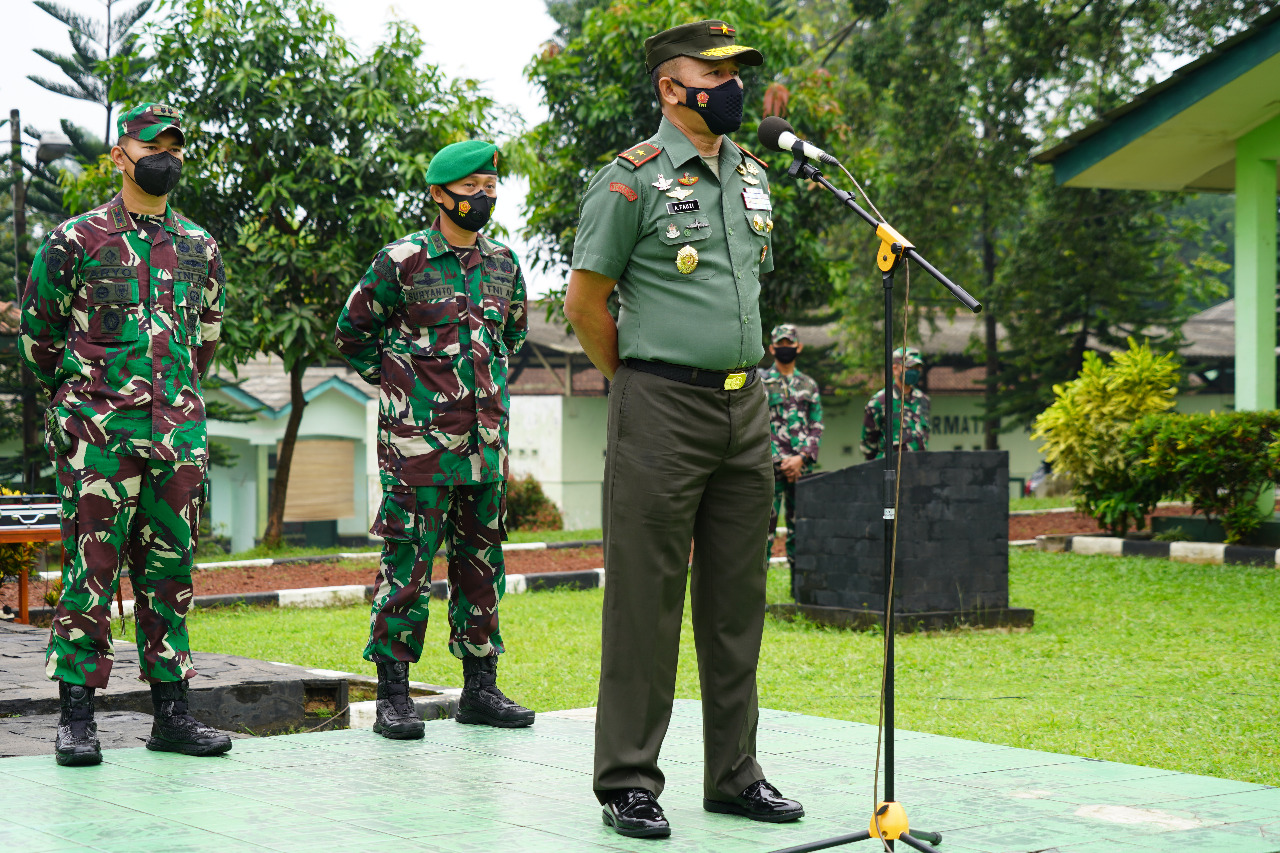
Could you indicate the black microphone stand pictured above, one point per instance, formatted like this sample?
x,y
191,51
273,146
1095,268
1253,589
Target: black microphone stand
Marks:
x,y
890,820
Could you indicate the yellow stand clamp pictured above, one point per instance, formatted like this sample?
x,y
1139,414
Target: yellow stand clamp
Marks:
x,y
892,245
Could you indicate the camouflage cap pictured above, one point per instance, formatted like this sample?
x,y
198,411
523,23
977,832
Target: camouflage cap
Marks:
x,y
709,40
147,121
474,156
910,356
784,331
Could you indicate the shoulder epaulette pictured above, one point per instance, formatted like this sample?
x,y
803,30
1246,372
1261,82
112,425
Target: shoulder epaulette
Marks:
x,y
638,155
752,156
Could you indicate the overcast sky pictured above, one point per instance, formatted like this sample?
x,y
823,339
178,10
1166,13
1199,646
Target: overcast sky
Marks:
x,y
494,50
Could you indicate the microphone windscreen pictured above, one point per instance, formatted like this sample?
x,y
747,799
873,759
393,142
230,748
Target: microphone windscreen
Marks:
x,y
770,129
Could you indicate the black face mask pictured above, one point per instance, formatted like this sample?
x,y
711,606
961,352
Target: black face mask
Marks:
x,y
156,174
475,214
785,355
720,107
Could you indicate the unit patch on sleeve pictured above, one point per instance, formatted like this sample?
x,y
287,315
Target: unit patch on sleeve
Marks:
x,y
626,191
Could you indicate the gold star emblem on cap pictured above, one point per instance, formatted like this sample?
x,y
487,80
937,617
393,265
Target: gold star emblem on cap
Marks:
x,y
663,184
680,195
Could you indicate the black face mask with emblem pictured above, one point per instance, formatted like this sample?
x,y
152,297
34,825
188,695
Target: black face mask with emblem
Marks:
x,y
720,108
476,213
156,174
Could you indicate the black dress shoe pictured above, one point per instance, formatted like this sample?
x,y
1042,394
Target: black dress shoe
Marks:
x,y
760,801
635,813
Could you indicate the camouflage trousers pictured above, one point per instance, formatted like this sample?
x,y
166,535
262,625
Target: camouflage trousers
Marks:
x,y
118,508
413,521
784,496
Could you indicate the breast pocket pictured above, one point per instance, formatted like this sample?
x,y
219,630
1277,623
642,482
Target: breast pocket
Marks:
x,y
435,326
186,316
114,311
685,237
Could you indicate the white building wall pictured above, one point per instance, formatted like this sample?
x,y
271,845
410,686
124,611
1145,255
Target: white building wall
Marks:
x,y
535,437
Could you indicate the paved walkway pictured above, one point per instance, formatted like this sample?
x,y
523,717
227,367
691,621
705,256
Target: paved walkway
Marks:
x,y
468,788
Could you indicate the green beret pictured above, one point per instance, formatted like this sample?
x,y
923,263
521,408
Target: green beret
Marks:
x,y
461,159
147,121
709,40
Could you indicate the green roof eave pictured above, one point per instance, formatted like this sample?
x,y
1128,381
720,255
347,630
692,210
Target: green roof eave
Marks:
x,y
1151,114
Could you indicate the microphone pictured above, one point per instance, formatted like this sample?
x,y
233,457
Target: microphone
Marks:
x,y
777,134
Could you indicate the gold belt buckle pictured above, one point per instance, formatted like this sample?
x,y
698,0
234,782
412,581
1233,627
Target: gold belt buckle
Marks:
x,y
734,381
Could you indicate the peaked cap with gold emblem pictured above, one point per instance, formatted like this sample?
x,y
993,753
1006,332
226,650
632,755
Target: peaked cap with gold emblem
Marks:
x,y
709,40
147,121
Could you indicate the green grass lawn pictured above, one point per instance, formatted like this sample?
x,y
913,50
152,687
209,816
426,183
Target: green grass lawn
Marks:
x,y
1140,661
260,553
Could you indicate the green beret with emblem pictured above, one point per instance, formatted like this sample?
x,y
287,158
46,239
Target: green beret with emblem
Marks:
x,y
147,121
708,40
452,162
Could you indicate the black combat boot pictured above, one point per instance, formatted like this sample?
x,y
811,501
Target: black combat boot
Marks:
x,y
175,730
77,744
396,717
482,702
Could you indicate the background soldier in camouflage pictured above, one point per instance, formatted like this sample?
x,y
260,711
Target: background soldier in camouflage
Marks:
x,y
432,324
120,318
795,428
915,427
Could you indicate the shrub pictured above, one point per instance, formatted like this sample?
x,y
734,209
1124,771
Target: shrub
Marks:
x,y
529,508
1084,433
1219,461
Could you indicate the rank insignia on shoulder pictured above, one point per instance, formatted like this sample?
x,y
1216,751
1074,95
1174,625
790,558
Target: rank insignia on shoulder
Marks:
x,y
688,180
752,156
663,184
687,259
640,154
626,191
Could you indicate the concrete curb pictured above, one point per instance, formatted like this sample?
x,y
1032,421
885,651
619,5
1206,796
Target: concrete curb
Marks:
x,y
1214,553
338,596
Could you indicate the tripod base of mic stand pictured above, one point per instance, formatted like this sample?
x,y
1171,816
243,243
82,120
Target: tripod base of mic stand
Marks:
x,y
893,826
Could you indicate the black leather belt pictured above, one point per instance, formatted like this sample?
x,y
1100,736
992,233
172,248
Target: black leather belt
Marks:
x,y
728,380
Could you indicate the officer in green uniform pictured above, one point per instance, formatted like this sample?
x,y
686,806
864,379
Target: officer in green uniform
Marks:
x,y
680,225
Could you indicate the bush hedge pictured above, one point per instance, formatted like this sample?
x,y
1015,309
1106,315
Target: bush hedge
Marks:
x,y
529,508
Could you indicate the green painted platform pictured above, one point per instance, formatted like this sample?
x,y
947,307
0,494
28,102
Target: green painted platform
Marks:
x,y
467,788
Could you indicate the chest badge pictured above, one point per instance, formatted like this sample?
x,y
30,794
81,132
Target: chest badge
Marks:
x,y
751,168
768,225
764,250
758,222
742,170
688,180
687,260
680,195
672,231
663,184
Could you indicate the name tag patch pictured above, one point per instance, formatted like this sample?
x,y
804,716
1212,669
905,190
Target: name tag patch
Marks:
x,y
674,207
109,272
756,199
427,292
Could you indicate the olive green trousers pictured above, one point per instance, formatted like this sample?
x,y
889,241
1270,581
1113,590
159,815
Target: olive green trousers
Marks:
x,y
684,464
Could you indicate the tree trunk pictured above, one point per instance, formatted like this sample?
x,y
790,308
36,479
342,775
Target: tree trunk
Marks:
x,y
991,427
273,538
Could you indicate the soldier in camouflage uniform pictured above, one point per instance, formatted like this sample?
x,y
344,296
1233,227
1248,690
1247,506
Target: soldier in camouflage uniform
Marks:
x,y
120,319
795,428
906,376
433,324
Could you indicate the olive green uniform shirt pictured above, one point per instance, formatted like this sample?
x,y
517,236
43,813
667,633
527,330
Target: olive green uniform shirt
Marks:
x,y
641,211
